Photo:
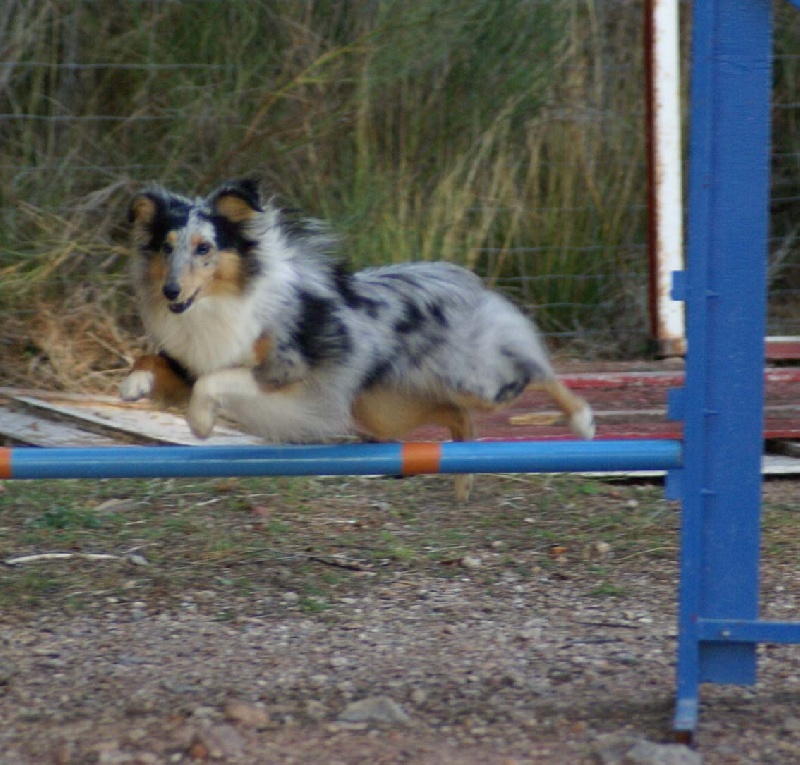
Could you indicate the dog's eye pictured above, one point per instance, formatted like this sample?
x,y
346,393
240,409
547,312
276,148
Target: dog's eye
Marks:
x,y
203,248
167,248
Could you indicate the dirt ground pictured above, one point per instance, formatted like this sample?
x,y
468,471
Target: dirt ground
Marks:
x,y
328,620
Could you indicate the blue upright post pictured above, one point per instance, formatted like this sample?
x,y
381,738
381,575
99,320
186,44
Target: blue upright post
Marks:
x,y
725,290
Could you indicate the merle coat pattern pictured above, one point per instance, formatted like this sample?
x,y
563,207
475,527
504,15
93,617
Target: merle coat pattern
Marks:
x,y
252,312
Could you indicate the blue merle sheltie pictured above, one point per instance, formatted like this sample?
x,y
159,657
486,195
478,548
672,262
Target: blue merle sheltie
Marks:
x,y
252,313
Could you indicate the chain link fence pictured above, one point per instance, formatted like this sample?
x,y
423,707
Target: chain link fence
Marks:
x,y
505,135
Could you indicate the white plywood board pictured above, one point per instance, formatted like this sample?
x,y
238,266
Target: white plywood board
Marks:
x,y
31,429
143,423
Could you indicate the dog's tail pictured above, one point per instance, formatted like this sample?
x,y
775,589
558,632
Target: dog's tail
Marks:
x,y
580,417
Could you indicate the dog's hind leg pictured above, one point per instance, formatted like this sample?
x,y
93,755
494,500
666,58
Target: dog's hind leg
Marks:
x,y
580,418
389,415
459,421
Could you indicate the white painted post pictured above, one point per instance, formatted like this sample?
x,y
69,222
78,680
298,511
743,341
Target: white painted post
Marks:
x,y
665,171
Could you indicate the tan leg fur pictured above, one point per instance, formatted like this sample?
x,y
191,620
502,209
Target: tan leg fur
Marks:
x,y
389,415
577,411
168,388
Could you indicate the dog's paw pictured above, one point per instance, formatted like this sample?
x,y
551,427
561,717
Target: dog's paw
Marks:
x,y
582,423
138,384
201,415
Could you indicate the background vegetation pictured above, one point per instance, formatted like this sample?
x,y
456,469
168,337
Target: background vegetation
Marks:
x,y
503,134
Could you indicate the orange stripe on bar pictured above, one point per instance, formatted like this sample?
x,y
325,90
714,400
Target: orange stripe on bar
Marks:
x,y
5,462
420,458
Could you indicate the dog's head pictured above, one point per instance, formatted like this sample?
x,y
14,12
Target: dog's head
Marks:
x,y
196,248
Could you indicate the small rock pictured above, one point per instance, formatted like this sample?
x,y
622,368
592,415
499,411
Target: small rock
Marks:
x,y
182,737
218,741
610,749
291,597
64,753
602,549
791,725
375,709
626,750
316,710
648,753
7,670
471,562
246,714
146,758
204,713
135,736
197,751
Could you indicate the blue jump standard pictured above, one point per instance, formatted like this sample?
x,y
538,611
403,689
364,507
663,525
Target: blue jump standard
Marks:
x,y
722,403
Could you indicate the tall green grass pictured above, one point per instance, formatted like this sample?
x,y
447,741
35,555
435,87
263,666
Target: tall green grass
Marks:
x,y
501,134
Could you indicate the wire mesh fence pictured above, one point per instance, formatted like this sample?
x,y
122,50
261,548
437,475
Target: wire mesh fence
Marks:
x,y
505,135
784,267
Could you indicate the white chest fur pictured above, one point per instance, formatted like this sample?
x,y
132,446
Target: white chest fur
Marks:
x,y
215,333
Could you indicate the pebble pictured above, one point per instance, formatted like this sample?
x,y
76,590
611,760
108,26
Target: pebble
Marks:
x,y
648,753
7,670
246,714
621,749
63,753
374,709
218,742
791,725
602,549
316,710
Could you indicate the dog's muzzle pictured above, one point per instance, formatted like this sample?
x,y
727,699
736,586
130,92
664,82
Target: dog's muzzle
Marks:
x,y
180,307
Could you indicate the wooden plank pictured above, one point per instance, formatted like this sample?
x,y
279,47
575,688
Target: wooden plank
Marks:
x,y
659,378
771,465
783,348
28,429
144,423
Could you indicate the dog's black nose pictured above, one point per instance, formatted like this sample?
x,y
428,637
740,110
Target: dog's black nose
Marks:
x,y
171,291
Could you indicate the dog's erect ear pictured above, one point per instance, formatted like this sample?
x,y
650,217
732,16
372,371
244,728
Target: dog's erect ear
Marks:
x,y
144,208
237,201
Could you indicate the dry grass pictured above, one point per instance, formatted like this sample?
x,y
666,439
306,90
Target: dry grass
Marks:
x,y
423,130
503,135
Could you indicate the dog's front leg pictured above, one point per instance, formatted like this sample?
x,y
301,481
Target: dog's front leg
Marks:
x,y
209,395
158,377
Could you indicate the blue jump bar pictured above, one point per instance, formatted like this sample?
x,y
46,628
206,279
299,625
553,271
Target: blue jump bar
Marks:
x,y
340,459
